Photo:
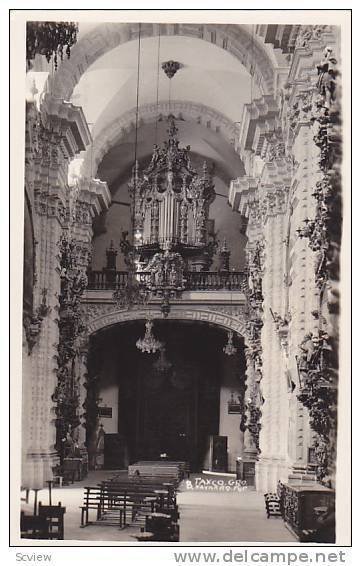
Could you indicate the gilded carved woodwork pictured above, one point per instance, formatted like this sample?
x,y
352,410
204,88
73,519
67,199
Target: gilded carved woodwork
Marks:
x,y
254,324
308,34
318,361
324,231
71,330
317,369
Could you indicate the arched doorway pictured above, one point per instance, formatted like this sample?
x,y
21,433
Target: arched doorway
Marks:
x,y
171,402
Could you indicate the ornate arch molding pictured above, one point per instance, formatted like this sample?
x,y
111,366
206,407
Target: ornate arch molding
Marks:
x,y
101,316
189,111
234,39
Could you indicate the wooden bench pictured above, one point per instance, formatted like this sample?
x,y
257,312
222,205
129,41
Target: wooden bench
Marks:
x,y
165,494
143,484
93,499
115,506
182,467
164,499
158,469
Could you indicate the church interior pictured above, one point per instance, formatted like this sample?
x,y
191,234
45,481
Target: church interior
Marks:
x,y
182,236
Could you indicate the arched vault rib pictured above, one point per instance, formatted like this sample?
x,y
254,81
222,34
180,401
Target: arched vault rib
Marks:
x,y
114,131
234,39
105,316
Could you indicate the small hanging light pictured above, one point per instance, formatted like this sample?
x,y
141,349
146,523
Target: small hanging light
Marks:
x,y
149,344
162,365
230,349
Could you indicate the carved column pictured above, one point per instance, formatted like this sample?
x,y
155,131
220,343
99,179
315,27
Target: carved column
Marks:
x,y
251,446
303,294
90,197
83,375
244,198
61,131
305,255
39,434
273,195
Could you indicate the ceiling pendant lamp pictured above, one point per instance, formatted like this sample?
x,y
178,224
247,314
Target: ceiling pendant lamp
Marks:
x,y
149,344
230,349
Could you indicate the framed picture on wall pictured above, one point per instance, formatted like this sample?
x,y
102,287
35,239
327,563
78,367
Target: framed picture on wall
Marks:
x,y
105,412
234,405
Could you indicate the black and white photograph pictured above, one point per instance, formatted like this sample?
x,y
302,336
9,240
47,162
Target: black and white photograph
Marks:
x,y
181,193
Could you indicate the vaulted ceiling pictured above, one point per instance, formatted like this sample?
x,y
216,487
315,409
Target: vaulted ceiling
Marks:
x,y
210,79
209,75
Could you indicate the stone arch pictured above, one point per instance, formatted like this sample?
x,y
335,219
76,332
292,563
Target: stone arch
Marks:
x,y
234,39
114,131
105,316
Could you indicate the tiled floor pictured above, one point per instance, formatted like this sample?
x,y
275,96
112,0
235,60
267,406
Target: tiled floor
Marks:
x,y
204,516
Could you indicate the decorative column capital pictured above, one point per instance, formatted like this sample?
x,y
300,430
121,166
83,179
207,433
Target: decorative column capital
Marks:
x,y
90,197
51,206
274,201
93,194
243,195
68,121
259,117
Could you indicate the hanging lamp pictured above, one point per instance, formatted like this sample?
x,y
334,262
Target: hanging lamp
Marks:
x,y
230,349
149,344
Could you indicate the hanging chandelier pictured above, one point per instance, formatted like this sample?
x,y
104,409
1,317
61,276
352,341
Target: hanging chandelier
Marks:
x,y
169,221
230,349
149,344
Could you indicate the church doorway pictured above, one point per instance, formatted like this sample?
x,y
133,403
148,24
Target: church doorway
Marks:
x,y
171,402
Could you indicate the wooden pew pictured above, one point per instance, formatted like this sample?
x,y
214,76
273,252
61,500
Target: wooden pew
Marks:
x,y
115,505
164,496
158,469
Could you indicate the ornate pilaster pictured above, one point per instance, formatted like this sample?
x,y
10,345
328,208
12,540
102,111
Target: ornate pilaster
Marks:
x,y
273,196
312,125
55,135
83,376
322,231
86,199
253,402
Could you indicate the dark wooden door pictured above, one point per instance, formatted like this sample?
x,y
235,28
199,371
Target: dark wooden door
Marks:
x,y
218,453
167,420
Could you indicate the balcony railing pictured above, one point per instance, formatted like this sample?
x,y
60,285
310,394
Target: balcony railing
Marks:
x,y
194,280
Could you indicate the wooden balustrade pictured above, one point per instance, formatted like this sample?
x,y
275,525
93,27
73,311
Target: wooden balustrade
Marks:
x,y
193,280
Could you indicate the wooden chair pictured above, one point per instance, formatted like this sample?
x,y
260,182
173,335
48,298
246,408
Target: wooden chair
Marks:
x,y
34,526
272,502
55,515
